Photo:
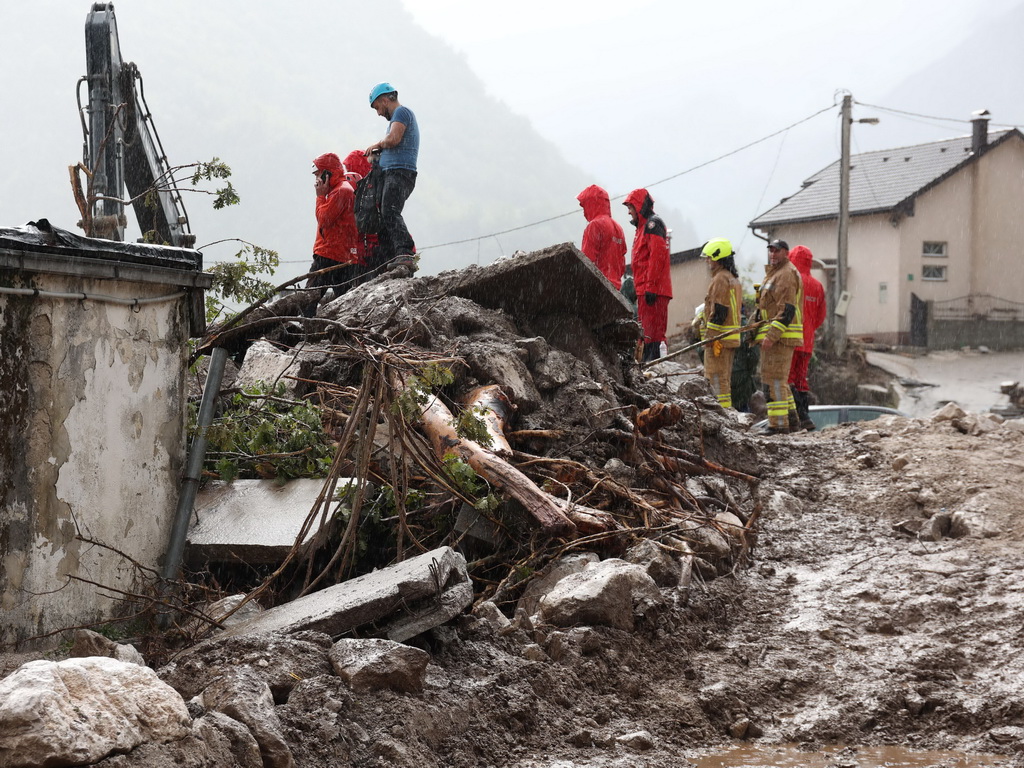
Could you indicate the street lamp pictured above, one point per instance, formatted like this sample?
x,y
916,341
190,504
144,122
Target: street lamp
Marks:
x,y
840,298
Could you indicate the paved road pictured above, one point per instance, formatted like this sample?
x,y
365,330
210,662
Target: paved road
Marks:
x,y
971,379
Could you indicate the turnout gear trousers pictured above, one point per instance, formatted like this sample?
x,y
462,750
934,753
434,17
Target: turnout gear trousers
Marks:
x,y
775,362
718,370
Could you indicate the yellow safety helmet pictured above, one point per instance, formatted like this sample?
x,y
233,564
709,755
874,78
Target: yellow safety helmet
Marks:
x,y
717,249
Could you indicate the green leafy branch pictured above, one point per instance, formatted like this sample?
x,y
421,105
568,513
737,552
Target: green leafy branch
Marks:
x,y
262,434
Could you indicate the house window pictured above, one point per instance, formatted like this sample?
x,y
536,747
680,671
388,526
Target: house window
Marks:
x,y
933,272
883,293
934,250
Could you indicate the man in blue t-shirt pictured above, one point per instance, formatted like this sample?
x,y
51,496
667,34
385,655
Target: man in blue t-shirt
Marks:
x,y
398,151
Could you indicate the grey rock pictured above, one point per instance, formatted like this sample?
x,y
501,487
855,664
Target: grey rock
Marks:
x,y
556,369
533,652
266,364
637,740
948,412
88,643
609,593
372,664
900,462
243,697
279,660
660,565
490,614
545,581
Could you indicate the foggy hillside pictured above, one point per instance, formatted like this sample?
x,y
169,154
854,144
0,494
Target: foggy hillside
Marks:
x,y
306,72
983,72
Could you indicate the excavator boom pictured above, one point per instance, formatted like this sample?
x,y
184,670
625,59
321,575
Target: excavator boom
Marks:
x,y
122,148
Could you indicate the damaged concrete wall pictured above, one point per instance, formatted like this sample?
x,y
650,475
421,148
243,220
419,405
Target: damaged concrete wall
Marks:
x,y
92,400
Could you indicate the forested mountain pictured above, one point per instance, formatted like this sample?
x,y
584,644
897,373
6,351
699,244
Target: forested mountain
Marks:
x,y
267,92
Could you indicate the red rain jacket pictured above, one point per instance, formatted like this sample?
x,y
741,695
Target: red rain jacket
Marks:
x,y
336,235
603,240
814,296
651,257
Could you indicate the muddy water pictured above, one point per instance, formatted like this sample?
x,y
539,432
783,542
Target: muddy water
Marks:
x,y
866,757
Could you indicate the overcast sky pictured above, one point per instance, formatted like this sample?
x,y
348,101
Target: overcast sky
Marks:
x,y
630,93
638,91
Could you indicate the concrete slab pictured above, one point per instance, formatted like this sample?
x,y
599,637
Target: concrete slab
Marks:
x,y
250,521
554,280
398,602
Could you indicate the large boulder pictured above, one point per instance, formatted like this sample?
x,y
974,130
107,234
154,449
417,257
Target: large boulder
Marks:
x,y
78,711
545,581
216,741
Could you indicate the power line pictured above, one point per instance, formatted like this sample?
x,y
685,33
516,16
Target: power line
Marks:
x,y
654,184
912,114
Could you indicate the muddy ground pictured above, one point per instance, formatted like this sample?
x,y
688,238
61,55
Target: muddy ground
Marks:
x,y
844,630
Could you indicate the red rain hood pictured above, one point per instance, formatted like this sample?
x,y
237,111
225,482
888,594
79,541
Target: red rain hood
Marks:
x,y
801,257
595,202
356,162
641,200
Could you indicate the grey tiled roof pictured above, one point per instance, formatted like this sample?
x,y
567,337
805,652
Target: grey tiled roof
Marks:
x,y
879,181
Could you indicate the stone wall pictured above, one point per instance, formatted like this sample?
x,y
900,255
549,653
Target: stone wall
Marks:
x,y
92,400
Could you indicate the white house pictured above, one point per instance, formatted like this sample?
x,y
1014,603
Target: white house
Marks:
x,y
936,239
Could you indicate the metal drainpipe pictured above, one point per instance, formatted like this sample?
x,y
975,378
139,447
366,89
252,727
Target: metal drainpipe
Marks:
x,y
193,470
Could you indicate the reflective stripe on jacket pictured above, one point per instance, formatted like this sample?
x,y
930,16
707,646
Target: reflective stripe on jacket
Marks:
x,y
781,304
722,308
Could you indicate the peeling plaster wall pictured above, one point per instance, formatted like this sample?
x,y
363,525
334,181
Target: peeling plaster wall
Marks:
x,y
92,400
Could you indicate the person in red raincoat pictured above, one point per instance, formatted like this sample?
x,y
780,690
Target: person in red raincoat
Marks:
x,y
651,273
814,316
603,240
336,237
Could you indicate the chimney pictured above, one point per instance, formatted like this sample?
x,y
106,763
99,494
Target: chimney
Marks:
x,y
979,133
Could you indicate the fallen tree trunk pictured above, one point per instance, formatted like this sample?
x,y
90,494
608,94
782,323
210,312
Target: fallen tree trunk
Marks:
x,y
439,426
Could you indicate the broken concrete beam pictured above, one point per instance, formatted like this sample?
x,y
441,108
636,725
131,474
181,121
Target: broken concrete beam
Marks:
x,y
251,521
400,601
558,279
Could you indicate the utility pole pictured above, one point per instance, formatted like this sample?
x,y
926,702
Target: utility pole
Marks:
x,y
840,298
839,311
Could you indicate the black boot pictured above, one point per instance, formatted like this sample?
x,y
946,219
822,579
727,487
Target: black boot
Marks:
x,y
802,398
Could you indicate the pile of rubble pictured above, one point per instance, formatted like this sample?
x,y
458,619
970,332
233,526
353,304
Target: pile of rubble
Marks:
x,y
667,580
613,489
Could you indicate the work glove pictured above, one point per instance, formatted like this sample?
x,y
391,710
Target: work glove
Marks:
x,y
717,348
650,298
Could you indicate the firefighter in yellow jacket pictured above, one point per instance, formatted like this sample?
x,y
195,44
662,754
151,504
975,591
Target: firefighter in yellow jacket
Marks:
x,y
722,311
780,305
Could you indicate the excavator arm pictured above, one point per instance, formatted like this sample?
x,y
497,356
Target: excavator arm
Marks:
x,y
122,148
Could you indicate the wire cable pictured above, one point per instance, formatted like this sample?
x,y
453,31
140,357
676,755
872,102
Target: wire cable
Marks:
x,y
653,184
912,114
